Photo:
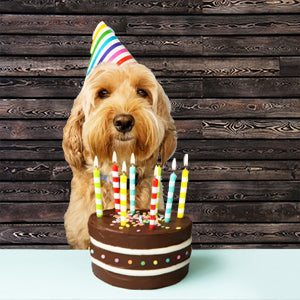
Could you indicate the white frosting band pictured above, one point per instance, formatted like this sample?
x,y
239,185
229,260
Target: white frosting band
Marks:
x,y
153,251
139,273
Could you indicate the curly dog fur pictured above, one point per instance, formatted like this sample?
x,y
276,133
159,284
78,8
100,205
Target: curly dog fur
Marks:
x,y
109,91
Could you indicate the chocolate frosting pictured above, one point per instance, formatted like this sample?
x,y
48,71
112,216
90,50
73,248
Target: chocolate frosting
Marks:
x,y
146,238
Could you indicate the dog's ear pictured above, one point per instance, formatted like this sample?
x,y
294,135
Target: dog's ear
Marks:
x,y
72,139
169,143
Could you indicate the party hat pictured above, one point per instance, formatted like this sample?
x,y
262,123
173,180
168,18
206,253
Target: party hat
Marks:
x,y
106,47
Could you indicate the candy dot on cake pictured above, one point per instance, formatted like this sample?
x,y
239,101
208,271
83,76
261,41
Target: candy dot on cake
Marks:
x,y
143,263
130,262
155,262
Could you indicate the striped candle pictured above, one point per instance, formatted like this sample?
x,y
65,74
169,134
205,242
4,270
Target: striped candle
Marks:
x,y
123,194
107,48
116,185
97,184
158,188
153,199
183,188
132,184
171,192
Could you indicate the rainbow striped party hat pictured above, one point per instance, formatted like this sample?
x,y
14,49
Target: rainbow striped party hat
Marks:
x,y
106,47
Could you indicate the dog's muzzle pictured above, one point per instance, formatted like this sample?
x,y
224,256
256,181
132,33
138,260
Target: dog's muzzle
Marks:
x,y
123,123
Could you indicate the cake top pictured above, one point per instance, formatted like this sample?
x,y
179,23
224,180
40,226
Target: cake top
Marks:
x,y
136,233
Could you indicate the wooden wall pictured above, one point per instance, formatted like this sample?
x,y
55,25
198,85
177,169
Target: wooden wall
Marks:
x,y
232,71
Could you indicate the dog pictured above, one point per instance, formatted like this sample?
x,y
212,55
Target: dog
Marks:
x,y
122,109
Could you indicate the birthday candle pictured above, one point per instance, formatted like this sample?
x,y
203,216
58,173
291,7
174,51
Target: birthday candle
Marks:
x,y
171,192
97,185
183,188
123,194
132,184
158,188
116,186
153,199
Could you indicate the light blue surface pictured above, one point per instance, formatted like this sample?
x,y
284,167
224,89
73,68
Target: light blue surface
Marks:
x,y
214,274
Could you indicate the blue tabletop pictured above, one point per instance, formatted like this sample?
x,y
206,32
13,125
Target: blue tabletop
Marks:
x,y
214,274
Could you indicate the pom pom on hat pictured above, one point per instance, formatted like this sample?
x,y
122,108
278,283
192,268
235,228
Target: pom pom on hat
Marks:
x,y
106,47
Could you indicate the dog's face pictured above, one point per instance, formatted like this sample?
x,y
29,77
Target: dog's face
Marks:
x,y
122,109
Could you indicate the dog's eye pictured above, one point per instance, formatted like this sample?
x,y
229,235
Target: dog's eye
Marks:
x,y
103,94
142,93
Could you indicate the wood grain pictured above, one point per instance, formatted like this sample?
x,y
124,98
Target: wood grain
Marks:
x,y
197,149
151,7
35,191
180,108
288,212
251,87
204,170
32,234
202,233
72,45
163,67
102,6
249,7
199,191
186,129
152,25
245,45
246,233
56,87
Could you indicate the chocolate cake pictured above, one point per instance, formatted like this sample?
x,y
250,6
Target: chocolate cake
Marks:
x,y
136,257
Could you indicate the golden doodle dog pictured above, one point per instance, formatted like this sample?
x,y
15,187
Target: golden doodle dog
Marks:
x,y
122,109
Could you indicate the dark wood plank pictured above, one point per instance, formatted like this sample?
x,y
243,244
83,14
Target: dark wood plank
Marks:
x,y
199,170
62,45
290,66
41,246
32,212
250,7
163,66
199,191
246,233
186,129
197,149
234,191
247,246
69,45
181,108
35,108
102,7
251,45
194,245
250,212
32,234
251,87
35,191
31,150
202,233
35,170
55,87
235,108
152,25
217,212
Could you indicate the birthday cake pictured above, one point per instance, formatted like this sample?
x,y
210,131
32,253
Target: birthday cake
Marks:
x,y
135,257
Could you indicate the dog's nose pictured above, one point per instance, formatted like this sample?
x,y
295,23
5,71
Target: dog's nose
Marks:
x,y
123,122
